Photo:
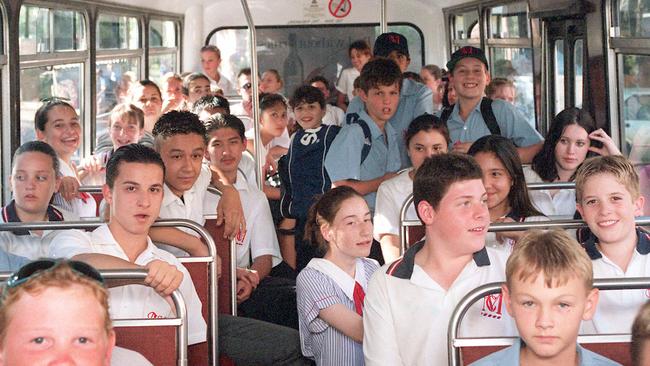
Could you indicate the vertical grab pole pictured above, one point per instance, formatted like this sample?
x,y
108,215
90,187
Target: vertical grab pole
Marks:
x,y
252,35
383,22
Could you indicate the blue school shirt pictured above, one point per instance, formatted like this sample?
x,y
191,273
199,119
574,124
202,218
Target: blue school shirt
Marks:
x,y
415,99
343,160
510,357
512,123
11,262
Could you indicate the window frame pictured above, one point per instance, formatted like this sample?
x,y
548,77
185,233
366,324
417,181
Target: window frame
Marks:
x,y
157,51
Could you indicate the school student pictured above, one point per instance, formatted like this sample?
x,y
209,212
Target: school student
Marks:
x,y
331,289
473,116
409,302
415,98
180,139
507,195
34,179
125,126
333,114
195,86
57,124
426,136
365,152
608,198
302,174
210,62
55,313
359,53
245,108
549,292
172,89
134,192
432,77
271,82
571,138
209,105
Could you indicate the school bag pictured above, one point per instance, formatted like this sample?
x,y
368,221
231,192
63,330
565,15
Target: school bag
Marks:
x,y
486,112
353,118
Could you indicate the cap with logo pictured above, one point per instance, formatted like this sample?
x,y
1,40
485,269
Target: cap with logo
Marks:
x,y
389,42
464,52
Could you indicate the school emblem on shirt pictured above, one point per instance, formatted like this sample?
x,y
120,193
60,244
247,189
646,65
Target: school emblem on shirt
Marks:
x,y
309,138
492,306
153,315
239,239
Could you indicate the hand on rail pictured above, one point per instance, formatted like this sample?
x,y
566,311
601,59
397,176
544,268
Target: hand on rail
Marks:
x,y
163,277
244,291
609,147
231,213
461,147
504,236
69,188
248,275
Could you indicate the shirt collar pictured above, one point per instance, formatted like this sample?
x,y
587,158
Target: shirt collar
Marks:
x,y
169,197
403,267
375,132
455,113
642,244
9,214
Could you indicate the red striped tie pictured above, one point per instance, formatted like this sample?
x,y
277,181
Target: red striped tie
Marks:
x,y
358,296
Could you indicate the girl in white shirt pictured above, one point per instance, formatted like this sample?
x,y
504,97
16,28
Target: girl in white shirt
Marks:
x,y
571,139
427,135
507,195
360,53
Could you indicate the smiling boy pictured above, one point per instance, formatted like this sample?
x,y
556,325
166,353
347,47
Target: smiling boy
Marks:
x,y
549,292
608,198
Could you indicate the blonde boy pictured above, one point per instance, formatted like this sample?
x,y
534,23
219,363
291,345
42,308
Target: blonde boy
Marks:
x,y
608,198
548,291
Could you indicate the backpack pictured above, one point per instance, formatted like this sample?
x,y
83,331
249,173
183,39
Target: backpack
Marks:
x,y
486,112
353,118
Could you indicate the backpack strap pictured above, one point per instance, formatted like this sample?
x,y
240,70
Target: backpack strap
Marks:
x,y
446,113
488,116
352,118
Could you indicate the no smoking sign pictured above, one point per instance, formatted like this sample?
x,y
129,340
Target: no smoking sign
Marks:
x,y
340,8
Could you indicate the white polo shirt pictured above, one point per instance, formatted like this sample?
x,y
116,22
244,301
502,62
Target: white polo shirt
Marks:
x,y
82,207
260,238
333,115
134,301
190,207
28,244
407,313
617,309
561,205
390,199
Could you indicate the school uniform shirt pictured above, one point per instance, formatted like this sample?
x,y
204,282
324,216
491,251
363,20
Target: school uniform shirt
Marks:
x,y
260,238
415,99
508,244
26,243
105,144
345,84
224,84
190,207
333,115
134,301
391,196
11,262
282,140
407,313
343,160
510,357
617,309
248,167
81,207
562,205
512,123
122,356
320,285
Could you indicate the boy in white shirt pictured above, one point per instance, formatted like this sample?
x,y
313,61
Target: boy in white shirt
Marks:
x,y
608,198
409,302
134,191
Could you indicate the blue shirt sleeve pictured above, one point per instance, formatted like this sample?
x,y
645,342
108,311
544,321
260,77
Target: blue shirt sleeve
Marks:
x,y
355,106
424,102
516,126
343,160
11,262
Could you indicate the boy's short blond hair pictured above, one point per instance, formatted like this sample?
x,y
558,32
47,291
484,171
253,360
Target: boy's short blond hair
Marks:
x,y
60,276
616,165
127,111
553,253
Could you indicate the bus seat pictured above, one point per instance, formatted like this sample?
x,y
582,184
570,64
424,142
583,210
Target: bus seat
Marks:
x,y
475,353
198,354
224,284
414,234
156,343
98,197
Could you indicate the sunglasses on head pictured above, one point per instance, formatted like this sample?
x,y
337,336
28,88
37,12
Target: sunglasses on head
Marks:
x,y
54,100
247,86
33,269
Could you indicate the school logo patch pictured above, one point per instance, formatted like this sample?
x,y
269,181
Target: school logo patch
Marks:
x,y
239,239
492,306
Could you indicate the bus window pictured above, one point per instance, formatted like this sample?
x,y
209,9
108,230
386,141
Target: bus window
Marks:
x,y
558,62
162,49
34,30
636,108
40,83
634,18
466,26
301,52
509,21
578,59
69,31
117,32
516,64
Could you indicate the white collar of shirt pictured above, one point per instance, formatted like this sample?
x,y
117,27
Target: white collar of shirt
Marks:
x,y
102,236
339,276
241,184
170,197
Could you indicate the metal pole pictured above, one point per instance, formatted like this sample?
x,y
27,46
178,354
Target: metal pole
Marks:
x,y
383,23
254,85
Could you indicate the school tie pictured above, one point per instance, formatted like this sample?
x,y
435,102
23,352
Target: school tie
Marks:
x,y
358,296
